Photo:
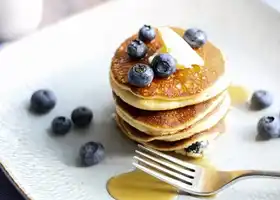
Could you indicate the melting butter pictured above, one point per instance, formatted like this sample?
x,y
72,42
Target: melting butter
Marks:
x,y
179,49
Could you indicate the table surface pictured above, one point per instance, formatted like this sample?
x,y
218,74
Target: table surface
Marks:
x,y
55,10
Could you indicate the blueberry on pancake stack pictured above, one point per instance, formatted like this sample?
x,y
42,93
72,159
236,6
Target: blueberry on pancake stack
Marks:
x,y
170,89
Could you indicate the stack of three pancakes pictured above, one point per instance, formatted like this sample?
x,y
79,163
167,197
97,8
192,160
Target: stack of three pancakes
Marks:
x,y
182,113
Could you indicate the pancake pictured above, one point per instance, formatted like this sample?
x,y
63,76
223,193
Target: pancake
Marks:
x,y
207,122
186,86
160,104
158,123
180,146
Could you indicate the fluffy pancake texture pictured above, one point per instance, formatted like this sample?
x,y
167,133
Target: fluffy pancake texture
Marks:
x,y
166,122
164,104
210,120
178,146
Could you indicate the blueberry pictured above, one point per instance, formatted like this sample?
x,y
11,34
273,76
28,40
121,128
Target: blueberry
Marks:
x,y
61,125
163,65
196,38
92,153
140,75
81,116
269,127
197,147
42,101
261,99
137,49
147,33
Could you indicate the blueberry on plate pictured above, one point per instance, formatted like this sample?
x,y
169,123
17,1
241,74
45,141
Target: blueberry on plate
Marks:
x,y
137,49
269,127
196,38
261,99
81,116
61,125
92,153
42,101
147,33
197,147
163,65
140,75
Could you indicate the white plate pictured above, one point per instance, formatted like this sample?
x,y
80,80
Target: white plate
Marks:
x,y
72,58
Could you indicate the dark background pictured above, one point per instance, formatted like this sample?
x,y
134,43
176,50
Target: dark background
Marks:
x,y
7,190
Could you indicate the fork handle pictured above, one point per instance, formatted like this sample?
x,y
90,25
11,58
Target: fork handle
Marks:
x,y
256,173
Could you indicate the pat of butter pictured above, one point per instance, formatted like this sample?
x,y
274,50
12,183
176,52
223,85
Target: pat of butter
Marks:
x,y
178,48
152,57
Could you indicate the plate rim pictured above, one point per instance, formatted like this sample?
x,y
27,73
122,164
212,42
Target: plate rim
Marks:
x,y
12,180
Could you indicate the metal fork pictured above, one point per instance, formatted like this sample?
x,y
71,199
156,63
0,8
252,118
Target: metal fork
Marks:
x,y
188,177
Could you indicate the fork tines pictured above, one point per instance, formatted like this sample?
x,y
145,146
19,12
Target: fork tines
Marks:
x,y
166,168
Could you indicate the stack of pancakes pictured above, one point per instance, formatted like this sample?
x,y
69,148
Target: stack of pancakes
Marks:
x,y
181,113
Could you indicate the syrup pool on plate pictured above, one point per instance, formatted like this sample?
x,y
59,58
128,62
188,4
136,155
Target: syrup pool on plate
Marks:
x,y
238,94
138,185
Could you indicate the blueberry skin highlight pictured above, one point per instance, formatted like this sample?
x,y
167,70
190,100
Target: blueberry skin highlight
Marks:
x,y
42,101
140,75
163,65
137,49
268,127
147,33
92,153
196,38
82,117
261,99
61,125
